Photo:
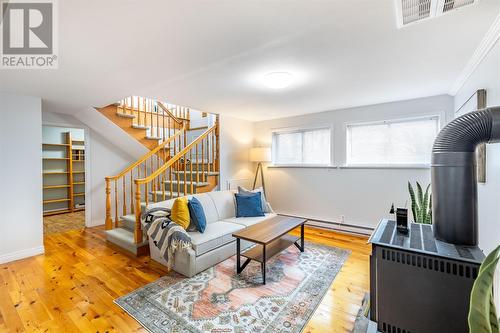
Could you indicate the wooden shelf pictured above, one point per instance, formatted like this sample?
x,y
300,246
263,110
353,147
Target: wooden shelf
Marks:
x,y
55,200
255,253
55,186
75,152
56,211
56,144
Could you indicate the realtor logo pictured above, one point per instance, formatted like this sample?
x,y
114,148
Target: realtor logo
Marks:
x,y
28,34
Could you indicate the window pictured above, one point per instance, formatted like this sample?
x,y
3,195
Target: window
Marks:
x,y
393,142
302,147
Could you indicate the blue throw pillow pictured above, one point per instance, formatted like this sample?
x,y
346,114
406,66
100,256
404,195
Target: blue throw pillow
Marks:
x,y
248,205
197,214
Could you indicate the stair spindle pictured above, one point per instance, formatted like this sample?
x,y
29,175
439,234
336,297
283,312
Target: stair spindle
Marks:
x,y
132,191
124,197
116,203
178,180
197,165
191,170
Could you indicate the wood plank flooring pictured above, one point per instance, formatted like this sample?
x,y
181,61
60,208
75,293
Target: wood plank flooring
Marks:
x,y
72,287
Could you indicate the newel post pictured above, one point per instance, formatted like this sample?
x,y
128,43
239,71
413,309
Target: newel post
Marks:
x,y
138,228
109,221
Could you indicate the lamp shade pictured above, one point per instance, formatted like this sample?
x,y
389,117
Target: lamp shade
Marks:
x,y
260,154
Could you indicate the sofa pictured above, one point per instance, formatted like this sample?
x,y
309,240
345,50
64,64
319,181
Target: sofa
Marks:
x,y
216,243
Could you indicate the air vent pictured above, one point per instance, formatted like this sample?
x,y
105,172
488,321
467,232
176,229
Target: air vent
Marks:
x,y
412,11
454,4
415,10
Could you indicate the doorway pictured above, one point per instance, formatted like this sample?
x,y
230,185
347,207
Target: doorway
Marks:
x,y
63,174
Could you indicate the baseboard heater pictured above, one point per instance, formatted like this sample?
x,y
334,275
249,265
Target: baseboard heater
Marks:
x,y
336,226
418,283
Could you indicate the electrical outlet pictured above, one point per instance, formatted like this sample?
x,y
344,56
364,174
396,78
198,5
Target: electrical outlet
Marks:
x,y
342,219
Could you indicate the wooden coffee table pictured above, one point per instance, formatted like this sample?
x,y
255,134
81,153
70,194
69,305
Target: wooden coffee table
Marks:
x,y
271,237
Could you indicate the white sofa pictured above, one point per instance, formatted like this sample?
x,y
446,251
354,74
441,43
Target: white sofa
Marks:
x,y
216,243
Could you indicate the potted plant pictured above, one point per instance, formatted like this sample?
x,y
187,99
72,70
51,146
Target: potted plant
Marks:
x,y
482,313
421,204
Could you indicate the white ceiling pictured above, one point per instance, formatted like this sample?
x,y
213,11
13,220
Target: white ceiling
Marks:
x,y
210,55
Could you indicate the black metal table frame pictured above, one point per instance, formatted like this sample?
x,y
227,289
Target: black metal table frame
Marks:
x,y
240,268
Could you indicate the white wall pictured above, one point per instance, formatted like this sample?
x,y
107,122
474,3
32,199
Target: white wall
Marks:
x,y
362,195
20,177
487,76
103,158
236,139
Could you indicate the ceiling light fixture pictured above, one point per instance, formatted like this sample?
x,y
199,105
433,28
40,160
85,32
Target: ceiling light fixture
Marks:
x,y
278,80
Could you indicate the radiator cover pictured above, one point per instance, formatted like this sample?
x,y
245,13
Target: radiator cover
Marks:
x,y
418,283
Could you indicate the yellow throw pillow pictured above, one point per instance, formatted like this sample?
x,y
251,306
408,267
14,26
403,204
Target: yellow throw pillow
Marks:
x,y
180,212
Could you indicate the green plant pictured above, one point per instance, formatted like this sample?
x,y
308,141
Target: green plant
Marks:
x,y
421,204
482,313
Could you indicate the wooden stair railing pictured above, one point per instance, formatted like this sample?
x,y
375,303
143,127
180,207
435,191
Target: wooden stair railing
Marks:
x,y
123,193
202,152
159,117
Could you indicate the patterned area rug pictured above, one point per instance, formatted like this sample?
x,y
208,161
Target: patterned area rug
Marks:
x,y
217,300
55,224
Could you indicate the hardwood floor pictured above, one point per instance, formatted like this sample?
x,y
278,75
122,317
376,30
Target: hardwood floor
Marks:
x,y
72,287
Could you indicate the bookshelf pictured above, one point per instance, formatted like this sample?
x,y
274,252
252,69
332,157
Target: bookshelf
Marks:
x,y
63,176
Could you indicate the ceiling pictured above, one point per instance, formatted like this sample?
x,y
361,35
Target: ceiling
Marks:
x,y
211,55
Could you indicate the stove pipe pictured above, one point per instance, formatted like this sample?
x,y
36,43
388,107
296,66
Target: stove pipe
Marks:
x,y
453,175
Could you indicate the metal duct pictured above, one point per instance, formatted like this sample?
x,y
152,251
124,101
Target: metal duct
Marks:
x,y
453,174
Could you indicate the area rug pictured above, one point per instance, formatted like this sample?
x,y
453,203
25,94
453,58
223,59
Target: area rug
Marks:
x,y
219,301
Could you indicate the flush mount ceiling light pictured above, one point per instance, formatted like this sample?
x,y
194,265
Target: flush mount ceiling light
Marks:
x,y
278,80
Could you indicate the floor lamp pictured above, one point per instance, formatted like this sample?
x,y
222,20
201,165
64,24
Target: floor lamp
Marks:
x,y
259,155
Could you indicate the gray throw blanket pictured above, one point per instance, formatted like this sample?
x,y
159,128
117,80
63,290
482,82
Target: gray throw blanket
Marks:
x,y
167,235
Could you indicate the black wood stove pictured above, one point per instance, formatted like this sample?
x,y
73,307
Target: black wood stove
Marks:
x,y
418,283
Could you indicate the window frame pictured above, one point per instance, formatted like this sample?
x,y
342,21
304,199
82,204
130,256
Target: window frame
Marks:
x,y
302,129
434,116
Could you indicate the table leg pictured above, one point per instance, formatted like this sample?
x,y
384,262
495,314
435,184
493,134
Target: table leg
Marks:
x,y
263,265
302,247
238,256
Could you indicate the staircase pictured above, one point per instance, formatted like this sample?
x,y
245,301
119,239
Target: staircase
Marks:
x,y
147,120
181,161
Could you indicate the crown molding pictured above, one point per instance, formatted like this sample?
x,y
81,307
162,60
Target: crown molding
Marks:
x,y
480,53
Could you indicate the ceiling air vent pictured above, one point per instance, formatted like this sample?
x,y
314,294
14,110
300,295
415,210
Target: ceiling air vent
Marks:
x,y
415,10
454,4
412,11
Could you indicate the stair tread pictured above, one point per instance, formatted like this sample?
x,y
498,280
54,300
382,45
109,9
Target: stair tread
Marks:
x,y
208,173
175,194
198,184
140,127
125,115
125,236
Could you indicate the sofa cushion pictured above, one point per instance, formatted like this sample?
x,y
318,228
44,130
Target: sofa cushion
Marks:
x,y
216,234
180,212
206,201
248,221
197,215
209,208
265,206
249,205
224,203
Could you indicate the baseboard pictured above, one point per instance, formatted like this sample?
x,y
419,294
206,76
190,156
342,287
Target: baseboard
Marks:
x,y
336,226
95,223
21,254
